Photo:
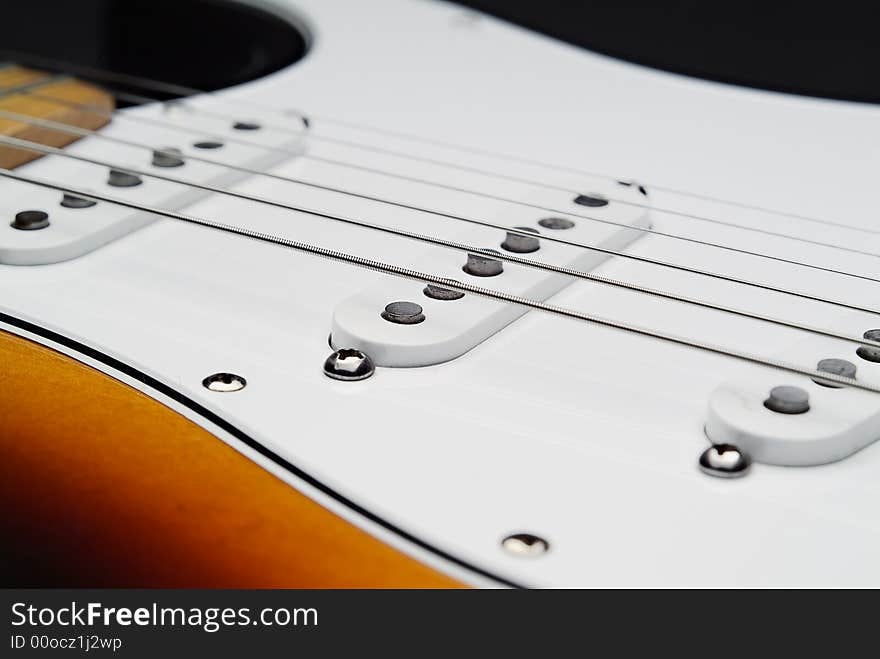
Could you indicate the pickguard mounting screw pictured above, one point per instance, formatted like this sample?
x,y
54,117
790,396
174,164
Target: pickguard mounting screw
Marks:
x,y
224,382
724,461
525,544
349,365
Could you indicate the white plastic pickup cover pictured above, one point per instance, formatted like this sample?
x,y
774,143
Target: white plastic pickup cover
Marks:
x,y
839,422
75,232
452,327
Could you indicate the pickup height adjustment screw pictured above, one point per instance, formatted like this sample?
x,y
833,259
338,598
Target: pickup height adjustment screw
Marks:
x,y
724,461
349,365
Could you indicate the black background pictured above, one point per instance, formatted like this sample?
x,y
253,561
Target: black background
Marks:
x,y
829,49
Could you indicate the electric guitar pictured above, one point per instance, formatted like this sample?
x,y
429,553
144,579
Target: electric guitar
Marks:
x,y
323,293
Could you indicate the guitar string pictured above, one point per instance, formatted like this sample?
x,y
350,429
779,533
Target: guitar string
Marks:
x,y
575,171
183,91
82,132
423,181
461,287
539,265
139,99
85,132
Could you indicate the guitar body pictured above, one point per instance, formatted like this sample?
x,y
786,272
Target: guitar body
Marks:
x,y
486,449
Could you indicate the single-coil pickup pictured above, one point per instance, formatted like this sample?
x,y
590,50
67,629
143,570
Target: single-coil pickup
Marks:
x,y
405,324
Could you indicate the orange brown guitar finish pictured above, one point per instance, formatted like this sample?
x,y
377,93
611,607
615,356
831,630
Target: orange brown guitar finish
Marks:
x,y
103,486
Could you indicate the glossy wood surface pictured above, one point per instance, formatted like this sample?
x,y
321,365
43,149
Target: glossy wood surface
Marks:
x,y
100,485
42,96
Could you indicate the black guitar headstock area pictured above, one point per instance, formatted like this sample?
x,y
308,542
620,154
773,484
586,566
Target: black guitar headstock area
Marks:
x,y
828,50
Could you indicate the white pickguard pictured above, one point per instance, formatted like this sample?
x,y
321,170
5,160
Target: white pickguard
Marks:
x,y
584,435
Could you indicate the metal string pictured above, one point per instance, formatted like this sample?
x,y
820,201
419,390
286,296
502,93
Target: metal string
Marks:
x,y
415,275
183,91
74,130
137,98
414,179
539,265
582,172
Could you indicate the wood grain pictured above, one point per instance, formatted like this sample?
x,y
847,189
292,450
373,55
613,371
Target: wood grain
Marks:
x,y
15,77
26,92
103,486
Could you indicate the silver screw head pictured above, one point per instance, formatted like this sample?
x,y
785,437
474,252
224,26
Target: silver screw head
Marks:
x,y
224,382
349,365
525,544
724,461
